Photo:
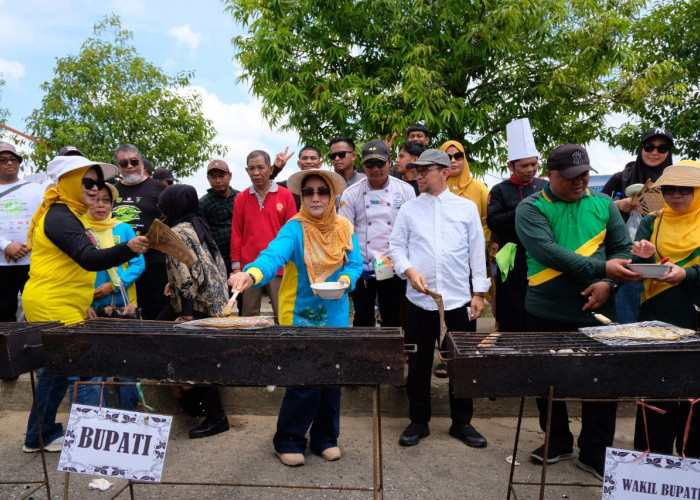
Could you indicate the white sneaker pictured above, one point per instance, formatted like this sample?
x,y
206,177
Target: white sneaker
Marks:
x,y
53,446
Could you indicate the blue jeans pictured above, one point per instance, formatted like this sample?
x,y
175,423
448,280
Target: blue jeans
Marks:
x,y
317,407
127,396
49,394
627,301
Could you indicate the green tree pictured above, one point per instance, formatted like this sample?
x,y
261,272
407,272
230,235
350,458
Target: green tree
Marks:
x,y
464,68
667,40
109,95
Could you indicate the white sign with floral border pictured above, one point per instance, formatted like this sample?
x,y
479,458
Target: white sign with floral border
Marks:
x,y
653,476
115,443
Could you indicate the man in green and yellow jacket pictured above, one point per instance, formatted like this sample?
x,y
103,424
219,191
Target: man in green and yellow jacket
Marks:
x,y
577,248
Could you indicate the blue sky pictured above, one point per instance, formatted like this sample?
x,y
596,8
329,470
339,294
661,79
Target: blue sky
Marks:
x,y
177,36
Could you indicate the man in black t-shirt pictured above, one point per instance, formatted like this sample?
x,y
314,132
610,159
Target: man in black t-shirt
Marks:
x,y
138,206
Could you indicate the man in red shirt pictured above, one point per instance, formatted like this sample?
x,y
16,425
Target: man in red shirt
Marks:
x,y
258,214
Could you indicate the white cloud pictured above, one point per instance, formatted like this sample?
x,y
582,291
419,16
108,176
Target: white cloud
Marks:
x,y
242,129
11,70
186,36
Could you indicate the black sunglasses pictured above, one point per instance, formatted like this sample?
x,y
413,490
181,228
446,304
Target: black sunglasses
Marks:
x,y
321,191
457,156
683,190
662,148
91,183
374,164
134,163
339,154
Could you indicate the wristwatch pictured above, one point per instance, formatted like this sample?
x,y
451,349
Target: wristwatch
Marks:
x,y
614,286
251,276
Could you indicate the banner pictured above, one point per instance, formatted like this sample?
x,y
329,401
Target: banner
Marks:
x,y
654,476
115,443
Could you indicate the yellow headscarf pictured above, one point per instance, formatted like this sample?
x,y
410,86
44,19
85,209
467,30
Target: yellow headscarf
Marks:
x,y
677,236
326,238
467,187
68,191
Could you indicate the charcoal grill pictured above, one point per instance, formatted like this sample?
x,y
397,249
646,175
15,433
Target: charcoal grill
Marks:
x,y
572,365
278,355
20,347
526,364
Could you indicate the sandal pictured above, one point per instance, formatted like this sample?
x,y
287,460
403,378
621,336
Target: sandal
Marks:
x,y
441,370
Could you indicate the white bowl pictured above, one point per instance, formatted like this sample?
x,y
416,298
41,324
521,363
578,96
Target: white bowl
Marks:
x,y
649,270
330,289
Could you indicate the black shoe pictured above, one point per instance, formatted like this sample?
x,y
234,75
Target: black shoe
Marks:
x,y
592,464
557,453
469,435
413,434
209,428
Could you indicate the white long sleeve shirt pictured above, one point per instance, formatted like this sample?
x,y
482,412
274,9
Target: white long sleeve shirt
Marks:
x,y
374,211
440,237
16,211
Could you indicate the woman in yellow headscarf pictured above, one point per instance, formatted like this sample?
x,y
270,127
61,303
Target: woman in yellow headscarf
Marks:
x,y
62,271
315,246
674,234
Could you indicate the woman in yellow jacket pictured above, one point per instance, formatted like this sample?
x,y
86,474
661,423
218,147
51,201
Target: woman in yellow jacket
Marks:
x,y
62,272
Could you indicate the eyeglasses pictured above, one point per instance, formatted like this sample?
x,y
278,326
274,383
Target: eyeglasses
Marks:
x,y
425,170
661,148
683,190
321,191
457,156
125,163
339,154
91,183
373,164
10,159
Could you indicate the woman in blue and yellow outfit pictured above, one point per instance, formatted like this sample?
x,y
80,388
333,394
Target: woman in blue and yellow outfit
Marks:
x,y
317,245
62,271
673,233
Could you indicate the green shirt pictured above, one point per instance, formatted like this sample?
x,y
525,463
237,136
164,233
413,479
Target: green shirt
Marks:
x,y
551,230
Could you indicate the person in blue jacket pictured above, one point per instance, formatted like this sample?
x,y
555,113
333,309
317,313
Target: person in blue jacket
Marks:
x,y
107,232
317,245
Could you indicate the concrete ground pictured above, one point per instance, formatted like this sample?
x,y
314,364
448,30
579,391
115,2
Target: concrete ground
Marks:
x,y
439,467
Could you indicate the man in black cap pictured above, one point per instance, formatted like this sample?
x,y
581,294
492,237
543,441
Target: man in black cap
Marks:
x,y
70,151
577,248
164,176
372,205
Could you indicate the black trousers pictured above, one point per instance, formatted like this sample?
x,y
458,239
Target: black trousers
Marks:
x,y
597,419
510,299
390,293
423,329
13,279
149,290
666,428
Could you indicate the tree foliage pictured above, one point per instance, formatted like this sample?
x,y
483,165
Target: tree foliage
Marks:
x,y
668,42
463,68
108,95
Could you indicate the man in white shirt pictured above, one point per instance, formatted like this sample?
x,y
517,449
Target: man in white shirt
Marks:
x,y
438,243
19,200
372,205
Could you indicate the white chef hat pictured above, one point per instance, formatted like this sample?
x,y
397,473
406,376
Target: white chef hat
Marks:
x,y
521,144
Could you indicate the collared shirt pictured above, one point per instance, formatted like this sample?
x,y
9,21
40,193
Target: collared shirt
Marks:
x,y
217,210
373,212
16,210
440,237
356,177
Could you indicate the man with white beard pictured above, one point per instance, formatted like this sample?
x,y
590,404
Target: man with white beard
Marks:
x,y
137,205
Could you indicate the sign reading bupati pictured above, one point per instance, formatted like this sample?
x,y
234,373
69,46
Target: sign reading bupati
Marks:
x,y
653,476
115,443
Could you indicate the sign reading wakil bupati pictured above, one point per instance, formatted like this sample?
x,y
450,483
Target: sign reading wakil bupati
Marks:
x,y
653,476
115,443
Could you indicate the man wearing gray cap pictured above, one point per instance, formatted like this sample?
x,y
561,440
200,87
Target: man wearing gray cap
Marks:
x,y
438,244
577,248
372,205
18,202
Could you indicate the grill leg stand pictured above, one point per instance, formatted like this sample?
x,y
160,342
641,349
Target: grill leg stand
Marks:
x,y
41,437
515,448
547,431
377,445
